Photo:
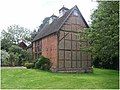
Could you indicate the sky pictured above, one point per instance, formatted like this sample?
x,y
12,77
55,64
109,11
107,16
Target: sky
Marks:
x,y
30,13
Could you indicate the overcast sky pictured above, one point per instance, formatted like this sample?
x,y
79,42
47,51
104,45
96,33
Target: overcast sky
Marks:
x,y
30,13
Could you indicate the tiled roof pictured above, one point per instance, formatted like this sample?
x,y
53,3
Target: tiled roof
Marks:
x,y
55,25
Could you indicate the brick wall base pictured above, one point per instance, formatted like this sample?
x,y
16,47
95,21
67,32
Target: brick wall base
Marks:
x,y
82,70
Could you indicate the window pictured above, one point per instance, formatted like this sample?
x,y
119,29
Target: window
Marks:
x,y
50,21
62,12
75,13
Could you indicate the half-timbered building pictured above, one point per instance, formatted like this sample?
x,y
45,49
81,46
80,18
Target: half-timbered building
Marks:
x,y
59,41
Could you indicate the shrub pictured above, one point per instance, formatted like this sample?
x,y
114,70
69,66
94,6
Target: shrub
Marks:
x,y
29,65
15,49
108,64
26,56
43,63
22,55
4,57
14,58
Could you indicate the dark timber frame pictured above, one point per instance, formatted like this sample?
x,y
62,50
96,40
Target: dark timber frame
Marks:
x,y
62,43
78,60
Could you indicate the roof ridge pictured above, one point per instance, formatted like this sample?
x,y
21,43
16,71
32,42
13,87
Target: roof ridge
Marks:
x,y
56,25
82,16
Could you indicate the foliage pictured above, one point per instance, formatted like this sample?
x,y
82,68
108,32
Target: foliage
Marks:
x,y
35,79
6,44
29,65
4,57
9,59
16,56
9,42
110,64
26,56
104,34
21,55
43,63
15,49
13,59
15,34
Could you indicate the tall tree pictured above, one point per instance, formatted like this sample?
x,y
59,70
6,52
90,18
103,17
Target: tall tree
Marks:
x,y
13,35
104,34
16,33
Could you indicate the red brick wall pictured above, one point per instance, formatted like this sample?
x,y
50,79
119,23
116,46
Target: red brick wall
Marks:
x,y
33,50
49,49
36,49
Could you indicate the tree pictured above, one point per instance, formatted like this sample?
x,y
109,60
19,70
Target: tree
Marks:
x,y
6,44
15,34
104,34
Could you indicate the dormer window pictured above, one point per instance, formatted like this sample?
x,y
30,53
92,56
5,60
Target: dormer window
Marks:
x,y
62,11
75,13
52,18
50,21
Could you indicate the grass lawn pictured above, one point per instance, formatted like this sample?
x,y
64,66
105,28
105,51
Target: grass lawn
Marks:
x,y
21,78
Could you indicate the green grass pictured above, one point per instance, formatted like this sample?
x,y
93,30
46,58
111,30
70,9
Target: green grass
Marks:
x,y
36,79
